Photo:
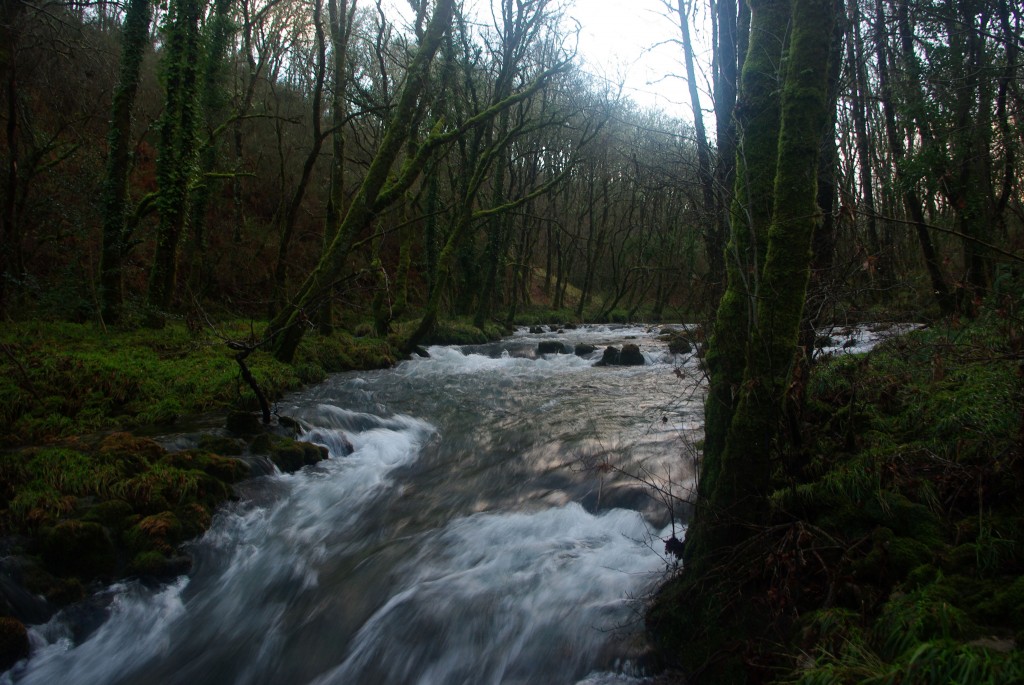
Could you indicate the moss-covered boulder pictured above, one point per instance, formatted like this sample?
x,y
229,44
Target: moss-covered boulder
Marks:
x,y
14,645
79,548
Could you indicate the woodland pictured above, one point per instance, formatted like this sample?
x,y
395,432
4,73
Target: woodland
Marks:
x,y
326,185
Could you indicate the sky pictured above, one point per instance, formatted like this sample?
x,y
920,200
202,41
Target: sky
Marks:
x,y
636,40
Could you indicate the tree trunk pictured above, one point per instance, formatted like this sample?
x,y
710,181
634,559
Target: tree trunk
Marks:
x,y
757,120
134,41
714,237
291,214
177,150
341,20
746,462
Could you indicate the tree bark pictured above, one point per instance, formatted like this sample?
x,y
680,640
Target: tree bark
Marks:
x,y
757,120
134,41
177,151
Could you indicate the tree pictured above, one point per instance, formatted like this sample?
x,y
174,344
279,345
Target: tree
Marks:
x,y
375,192
116,238
177,150
761,311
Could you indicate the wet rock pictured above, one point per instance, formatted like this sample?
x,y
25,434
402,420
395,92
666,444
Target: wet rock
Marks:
x,y
631,356
79,548
14,644
537,330
244,423
610,357
289,455
552,347
679,342
583,349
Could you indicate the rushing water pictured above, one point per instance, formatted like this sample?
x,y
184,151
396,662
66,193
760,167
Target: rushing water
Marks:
x,y
490,527
481,532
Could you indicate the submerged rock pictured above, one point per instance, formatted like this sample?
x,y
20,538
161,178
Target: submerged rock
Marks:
x,y
552,347
629,355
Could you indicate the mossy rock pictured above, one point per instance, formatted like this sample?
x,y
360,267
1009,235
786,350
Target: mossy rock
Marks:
x,y
219,444
225,469
906,518
14,644
1005,606
131,454
152,564
891,557
678,341
292,455
157,532
114,514
79,548
245,423
195,518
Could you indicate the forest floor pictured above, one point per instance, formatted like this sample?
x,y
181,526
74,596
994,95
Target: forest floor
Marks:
x,y
895,549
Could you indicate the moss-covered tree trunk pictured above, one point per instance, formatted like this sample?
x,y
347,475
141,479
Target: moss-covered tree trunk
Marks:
x,y
744,482
756,333
177,151
757,120
134,40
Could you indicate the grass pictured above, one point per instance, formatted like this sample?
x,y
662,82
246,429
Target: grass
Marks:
x,y
63,379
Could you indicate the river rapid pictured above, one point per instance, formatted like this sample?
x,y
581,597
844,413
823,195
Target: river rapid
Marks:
x,y
491,526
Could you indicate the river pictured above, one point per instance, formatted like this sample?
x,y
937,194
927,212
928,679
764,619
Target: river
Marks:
x,y
492,525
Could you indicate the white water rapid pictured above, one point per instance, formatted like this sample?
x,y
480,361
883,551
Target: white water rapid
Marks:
x,y
484,530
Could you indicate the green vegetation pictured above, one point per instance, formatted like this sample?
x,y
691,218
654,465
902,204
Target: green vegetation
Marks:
x,y
80,504
894,551
63,379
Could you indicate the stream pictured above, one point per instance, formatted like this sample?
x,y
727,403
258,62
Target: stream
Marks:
x,y
491,526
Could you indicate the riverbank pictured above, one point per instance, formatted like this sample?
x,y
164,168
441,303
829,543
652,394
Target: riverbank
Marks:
x,y
83,500
472,511
895,549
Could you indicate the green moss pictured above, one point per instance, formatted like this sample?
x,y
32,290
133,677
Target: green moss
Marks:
x,y
79,548
291,455
63,379
149,563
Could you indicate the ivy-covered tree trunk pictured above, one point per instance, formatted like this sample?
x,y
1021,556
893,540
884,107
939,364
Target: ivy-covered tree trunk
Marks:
x,y
134,40
176,158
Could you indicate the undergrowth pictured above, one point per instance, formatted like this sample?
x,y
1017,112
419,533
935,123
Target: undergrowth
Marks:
x,y
895,548
63,379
